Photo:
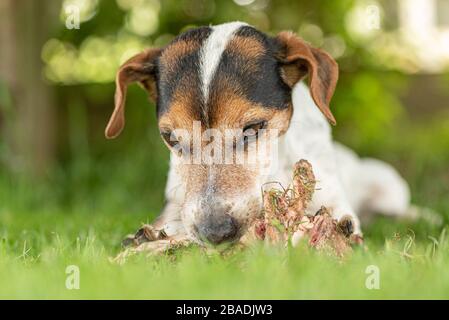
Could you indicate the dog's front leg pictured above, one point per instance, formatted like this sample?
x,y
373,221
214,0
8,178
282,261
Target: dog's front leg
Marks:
x,y
329,188
309,137
166,233
168,225
330,193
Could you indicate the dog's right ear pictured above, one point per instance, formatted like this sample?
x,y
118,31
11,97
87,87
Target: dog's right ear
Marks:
x,y
142,69
299,59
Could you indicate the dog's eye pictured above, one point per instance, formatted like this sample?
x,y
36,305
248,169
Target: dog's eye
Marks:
x,y
169,138
251,130
176,146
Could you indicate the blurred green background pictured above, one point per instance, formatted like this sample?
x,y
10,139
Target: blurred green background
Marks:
x,y
56,93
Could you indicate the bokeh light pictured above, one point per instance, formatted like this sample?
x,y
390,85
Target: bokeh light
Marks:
x,y
96,60
143,17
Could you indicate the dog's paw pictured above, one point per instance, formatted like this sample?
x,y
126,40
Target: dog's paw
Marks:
x,y
146,233
129,241
346,226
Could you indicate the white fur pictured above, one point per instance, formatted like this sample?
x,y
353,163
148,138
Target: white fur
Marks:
x,y
212,51
380,188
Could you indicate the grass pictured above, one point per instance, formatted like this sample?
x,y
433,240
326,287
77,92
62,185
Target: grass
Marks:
x,y
36,249
40,237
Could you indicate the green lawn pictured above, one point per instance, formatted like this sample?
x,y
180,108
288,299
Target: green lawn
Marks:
x,y
36,249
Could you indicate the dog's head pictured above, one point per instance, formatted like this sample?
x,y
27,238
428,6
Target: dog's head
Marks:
x,y
219,92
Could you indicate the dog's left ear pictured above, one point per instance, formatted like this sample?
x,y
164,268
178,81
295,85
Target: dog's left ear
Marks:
x,y
298,59
142,69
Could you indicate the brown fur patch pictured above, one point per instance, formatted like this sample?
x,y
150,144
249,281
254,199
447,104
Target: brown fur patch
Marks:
x,y
174,52
230,109
246,46
182,111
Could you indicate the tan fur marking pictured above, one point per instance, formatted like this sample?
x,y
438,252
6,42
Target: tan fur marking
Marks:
x,y
233,110
180,114
249,49
246,46
171,55
291,74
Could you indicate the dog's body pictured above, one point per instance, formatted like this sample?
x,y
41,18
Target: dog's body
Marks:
x,y
232,76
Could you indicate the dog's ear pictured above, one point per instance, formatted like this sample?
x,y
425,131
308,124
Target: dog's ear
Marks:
x,y
142,69
299,59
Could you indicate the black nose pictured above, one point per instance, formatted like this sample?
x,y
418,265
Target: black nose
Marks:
x,y
218,228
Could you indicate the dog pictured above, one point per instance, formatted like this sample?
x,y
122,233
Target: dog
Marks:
x,y
232,76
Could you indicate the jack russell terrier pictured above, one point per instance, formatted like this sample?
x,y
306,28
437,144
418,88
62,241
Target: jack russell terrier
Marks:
x,y
232,76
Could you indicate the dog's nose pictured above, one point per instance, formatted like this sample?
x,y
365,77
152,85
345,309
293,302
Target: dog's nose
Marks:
x,y
218,228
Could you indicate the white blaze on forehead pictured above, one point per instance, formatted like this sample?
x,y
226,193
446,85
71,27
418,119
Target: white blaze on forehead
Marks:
x,y
212,51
